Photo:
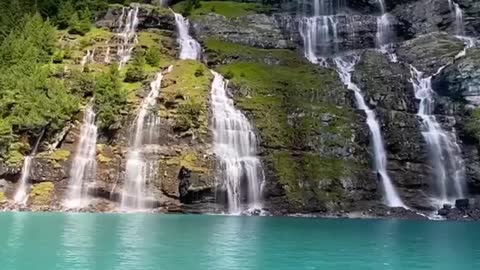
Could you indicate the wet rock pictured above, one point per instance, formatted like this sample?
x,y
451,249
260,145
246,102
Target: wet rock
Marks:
x,y
428,53
462,204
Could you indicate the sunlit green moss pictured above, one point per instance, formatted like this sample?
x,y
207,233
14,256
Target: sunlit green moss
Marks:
x,y
41,194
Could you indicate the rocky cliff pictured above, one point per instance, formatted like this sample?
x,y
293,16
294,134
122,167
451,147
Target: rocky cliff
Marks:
x,y
314,143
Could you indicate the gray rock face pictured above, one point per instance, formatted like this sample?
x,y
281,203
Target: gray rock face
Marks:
x,y
429,52
258,30
461,80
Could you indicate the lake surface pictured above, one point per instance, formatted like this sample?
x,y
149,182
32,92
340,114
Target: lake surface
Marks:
x,y
49,241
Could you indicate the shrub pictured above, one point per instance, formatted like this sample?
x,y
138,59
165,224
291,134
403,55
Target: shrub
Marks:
x,y
153,57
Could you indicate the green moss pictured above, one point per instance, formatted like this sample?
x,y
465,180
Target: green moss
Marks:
x,y
189,160
226,8
2,197
95,35
103,159
158,43
310,179
41,194
59,155
288,102
185,95
218,49
16,152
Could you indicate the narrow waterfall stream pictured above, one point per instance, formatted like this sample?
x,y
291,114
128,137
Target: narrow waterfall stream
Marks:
x,y
83,168
458,14
128,23
87,58
384,33
140,170
21,195
444,152
189,47
235,147
345,68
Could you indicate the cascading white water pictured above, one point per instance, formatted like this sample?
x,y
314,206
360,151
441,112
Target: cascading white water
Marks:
x,y
139,169
235,147
128,34
384,33
319,31
458,14
189,47
83,168
88,58
106,60
21,195
345,67
445,153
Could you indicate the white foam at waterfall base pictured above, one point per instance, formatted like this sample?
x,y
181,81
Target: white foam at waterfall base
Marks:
x,y
128,36
345,67
444,152
21,195
83,168
235,147
189,47
139,170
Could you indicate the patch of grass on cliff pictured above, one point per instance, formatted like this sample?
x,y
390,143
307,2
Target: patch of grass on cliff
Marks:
x,y
185,95
310,179
228,9
41,194
222,50
288,102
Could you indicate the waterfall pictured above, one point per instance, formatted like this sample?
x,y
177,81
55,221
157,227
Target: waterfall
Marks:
x,y
83,167
107,56
345,67
444,152
189,47
140,170
128,36
458,13
384,33
88,58
319,31
21,195
235,147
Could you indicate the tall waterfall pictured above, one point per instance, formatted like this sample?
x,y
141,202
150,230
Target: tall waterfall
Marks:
x,y
189,47
445,153
140,170
345,68
128,23
235,147
458,13
21,195
83,168
319,29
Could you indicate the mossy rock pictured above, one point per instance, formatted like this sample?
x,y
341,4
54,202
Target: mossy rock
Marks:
x,y
228,9
312,181
185,96
3,199
189,160
42,194
59,155
15,154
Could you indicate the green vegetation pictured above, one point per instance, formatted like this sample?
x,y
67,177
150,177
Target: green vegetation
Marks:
x,y
136,69
311,179
185,95
229,9
111,99
2,197
41,194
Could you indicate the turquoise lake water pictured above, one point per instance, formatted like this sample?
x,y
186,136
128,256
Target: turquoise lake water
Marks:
x,y
31,241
